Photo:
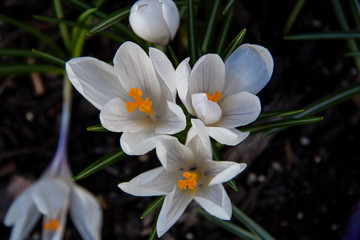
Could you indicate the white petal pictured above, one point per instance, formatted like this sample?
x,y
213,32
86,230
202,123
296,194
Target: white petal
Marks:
x,y
155,182
139,143
227,136
115,117
223,171
173,121
215,201
50,195
23,226
249,68
172,154
165,69
173,207
200,149
86,214
147,21
61,218
95,80
208,111
171,16
136,70
182,74
20,205
208,75
239,109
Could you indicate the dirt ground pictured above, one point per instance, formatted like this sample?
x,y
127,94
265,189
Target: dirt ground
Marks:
x,y
302,183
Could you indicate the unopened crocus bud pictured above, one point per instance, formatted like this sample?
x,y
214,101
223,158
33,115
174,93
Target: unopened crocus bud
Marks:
x,y
155,21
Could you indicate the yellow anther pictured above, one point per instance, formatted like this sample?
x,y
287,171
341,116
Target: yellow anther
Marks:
x,y
190,182
143,105
214,97
51,225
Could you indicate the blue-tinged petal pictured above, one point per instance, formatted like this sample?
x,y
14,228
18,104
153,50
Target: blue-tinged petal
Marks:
x,y
249,68
215,201
96,80
24,225
50,195
154,182
86,214
173,207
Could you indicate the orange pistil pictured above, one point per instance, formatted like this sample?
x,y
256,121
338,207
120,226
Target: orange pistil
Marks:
x,y
143,105
214,97
51,225
190,182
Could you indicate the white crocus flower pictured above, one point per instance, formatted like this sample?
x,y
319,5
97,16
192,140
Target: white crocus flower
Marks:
x,y
155,21
222,95
52,196
187,174
136,96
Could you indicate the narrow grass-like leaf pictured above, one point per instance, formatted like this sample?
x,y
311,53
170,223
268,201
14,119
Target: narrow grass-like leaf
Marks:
x,y
191,33
325,36
63,28
228,6
352,54
173,56
23,53
235,43
210,26
230,227
293,15
27,69
355,8
34,32
101,163
324,103
224,32
153,235
153,206
96,128
250,224
279,113
49,57
281,123
110,20
233,185
351,43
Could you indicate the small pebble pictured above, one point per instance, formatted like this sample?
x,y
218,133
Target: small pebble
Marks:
x,y
305,141
317,159
261,178
299,215
29,116
189,236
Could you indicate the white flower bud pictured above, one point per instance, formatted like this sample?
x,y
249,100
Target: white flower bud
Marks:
x,y
155,21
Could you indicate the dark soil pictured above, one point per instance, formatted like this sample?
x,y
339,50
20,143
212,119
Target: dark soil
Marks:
x,y
300,184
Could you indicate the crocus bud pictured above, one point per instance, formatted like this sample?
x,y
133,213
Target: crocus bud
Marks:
x,y
155,21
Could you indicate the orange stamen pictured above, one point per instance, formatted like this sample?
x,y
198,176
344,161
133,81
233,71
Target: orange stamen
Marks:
x,y
51,225
190,182
214,97
143,105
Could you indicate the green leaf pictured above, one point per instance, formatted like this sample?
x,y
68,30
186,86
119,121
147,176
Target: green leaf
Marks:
x,y
49,57
97,128
173,56
250,224
153,234
153,206
352,54
224,32
63,28
193,48
281,123
278,113
34,32
23,53
355,7
101,163
230,227
110,20
325,36
27,69
235,43
233,185
293,15
228,6
210,26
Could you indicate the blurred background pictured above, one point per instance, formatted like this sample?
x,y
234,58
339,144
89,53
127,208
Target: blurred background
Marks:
x,y
302,183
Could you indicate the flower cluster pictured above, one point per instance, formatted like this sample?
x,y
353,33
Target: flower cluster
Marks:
x,y
137,96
